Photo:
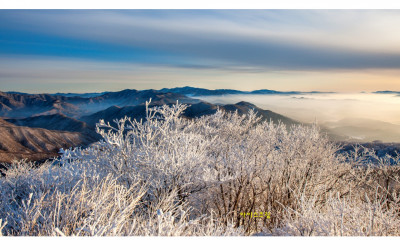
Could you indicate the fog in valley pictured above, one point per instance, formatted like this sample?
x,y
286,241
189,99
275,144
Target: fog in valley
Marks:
x,y
357,116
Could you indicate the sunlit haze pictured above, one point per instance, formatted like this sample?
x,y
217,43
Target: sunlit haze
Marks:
x,y
363,116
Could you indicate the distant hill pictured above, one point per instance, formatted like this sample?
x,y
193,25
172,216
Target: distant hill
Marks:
x,y
24,105
200,91
195,110
115,112
18,142
129,97
18,105
191,91
387,92
205,108
83,95
58,122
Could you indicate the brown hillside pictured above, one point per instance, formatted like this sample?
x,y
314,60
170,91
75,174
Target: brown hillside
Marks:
x,y
19,142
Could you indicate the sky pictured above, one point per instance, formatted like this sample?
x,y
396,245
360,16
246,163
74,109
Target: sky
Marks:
x,y
108,50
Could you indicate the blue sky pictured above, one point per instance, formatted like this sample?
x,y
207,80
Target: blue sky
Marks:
x,y
98,50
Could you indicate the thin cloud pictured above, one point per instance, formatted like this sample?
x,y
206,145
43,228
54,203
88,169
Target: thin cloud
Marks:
x,y
273,40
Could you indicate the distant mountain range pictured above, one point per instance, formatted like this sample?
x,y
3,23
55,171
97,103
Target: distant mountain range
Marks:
x,y
83,95
388,92
35,126
56,122
191,91
21,105
194,110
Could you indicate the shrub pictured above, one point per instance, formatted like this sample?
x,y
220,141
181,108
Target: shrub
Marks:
x,y
173,176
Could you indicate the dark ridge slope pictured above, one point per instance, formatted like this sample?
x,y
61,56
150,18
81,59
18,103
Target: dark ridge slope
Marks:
x,y
19,142
195,110
58,122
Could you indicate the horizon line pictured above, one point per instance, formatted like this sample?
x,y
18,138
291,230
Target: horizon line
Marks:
x,y
187,86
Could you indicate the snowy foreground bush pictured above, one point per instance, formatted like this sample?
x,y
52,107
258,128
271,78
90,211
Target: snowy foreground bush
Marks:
x,y
171,176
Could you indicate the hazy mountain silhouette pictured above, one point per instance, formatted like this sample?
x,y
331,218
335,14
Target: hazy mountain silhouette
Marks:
x,y
129,97
387,92
83,95
191,91
18,105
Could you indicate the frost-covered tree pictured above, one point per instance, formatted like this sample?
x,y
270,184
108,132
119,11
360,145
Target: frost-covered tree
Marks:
x,y
166,175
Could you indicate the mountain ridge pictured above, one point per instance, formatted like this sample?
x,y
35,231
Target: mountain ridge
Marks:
x,y
22,105
187,90
193,111
19,142
47,116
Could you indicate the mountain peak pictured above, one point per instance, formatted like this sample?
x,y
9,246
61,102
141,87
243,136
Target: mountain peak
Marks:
x,y
247,104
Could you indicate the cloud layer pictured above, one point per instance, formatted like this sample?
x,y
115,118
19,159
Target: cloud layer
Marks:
x,y
227,41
